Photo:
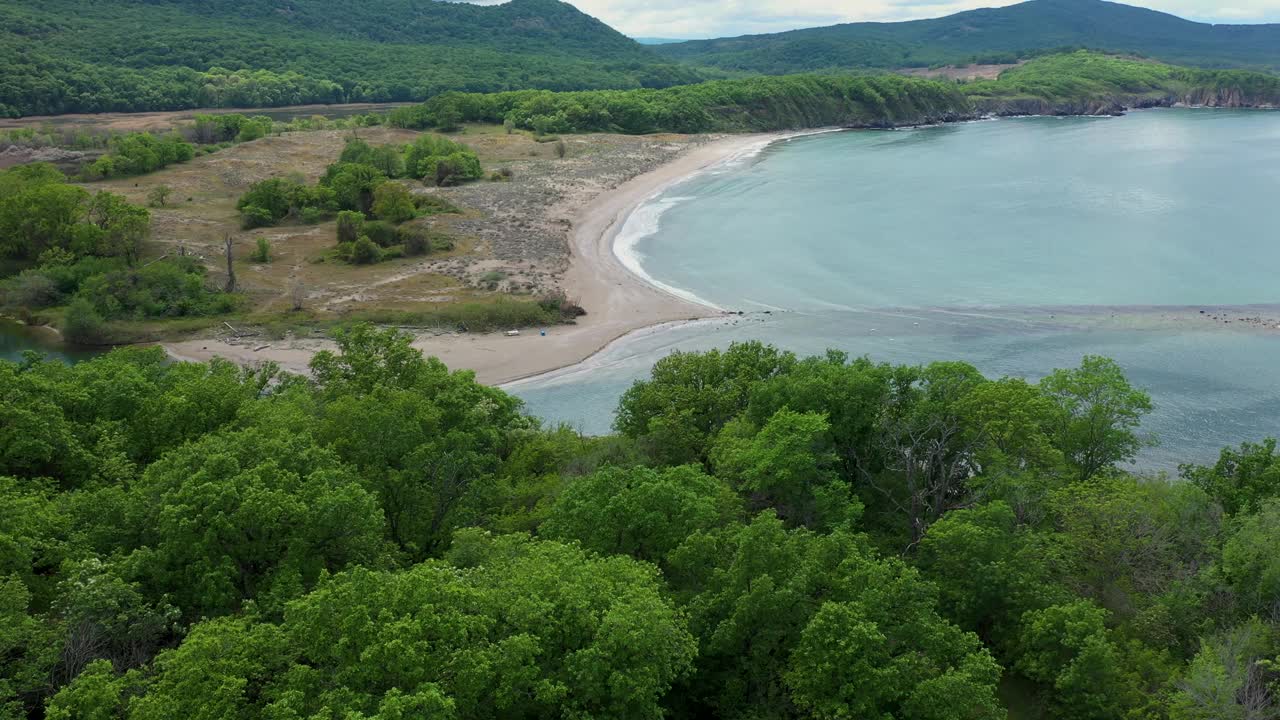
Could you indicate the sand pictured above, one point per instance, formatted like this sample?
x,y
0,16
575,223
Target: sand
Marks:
x,y
617,301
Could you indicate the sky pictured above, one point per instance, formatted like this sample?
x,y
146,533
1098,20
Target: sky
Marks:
x,y
723,18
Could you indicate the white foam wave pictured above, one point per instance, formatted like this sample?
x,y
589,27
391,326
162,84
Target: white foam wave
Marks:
x,y
646,219
643,222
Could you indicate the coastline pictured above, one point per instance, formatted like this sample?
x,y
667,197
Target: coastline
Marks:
x,y
618,301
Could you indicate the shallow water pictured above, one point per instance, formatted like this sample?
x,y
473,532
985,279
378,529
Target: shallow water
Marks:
x,y
17,339
1016,245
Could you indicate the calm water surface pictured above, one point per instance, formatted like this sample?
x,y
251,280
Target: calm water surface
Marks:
x,y
1016,245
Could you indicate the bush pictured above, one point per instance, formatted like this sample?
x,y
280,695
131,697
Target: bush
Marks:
x,y
415,240
82,324
452,169
365,252
431,204
252,216
393,203
32,289
383,234
350,226
262,254
169,289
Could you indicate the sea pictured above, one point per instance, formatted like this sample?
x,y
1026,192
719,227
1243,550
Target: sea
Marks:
x,y
1017,245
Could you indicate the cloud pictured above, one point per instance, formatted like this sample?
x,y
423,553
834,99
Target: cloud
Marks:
x,y
721,18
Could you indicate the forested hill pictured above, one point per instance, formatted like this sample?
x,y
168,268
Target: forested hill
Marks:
x,y
63,56
992,35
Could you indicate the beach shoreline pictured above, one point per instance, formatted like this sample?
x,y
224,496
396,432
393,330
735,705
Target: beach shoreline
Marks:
x,y
618,301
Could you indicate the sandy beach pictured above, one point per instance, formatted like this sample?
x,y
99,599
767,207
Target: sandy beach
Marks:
x,y
617,301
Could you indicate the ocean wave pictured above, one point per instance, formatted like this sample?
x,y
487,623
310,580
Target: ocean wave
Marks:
x,y
644,222
646,219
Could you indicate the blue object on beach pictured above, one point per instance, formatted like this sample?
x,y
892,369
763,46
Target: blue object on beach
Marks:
x,y
543,333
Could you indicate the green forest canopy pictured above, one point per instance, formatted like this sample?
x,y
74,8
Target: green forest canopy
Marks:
x,y
767,536
66,56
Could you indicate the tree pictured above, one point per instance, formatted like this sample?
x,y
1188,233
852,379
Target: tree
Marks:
x,y
249,514
791,619
989,570
38,216
158,196
1249,563
393,203
788,466
1128,540
513,628
1242,480
848,665
1067,648
1231,678
122,226
353,185
1098,413
689,397
640,512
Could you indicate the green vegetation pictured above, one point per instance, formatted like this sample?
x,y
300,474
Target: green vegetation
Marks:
x,y
1071,83
82,250
360,182
767,536
1002,35
1082,78
70,56
766,103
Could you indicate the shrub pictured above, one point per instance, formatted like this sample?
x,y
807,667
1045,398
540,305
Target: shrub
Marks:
x,y
365,252
452,169
311,215
382,233
431,204
415,240
82,324
393,203
252,216
262,253
501,175
350,226
559,303
32,289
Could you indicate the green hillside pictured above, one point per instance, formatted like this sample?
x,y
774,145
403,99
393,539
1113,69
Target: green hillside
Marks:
x,y
65,56
992,35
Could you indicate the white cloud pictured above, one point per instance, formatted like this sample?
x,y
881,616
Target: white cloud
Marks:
x,y
720,18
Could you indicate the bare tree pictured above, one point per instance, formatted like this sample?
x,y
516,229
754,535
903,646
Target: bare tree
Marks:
x,y
231,270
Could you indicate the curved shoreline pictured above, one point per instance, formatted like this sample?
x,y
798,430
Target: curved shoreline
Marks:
x,y
618,301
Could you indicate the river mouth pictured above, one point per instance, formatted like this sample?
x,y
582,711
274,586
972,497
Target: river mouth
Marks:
x,y
1017,245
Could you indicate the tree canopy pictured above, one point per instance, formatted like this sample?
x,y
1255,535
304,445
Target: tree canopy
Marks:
x,y
767,536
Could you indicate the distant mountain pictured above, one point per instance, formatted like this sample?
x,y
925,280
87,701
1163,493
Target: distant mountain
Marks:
x,y
61,56
992,35
657,41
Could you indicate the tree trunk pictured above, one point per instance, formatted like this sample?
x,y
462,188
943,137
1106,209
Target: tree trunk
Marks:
x,y
231,270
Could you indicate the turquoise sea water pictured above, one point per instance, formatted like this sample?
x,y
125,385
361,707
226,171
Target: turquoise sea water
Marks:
x,y
1016,245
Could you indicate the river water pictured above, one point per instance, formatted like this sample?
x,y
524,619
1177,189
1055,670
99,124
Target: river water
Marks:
x,y
1017,245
